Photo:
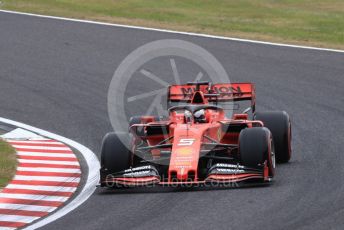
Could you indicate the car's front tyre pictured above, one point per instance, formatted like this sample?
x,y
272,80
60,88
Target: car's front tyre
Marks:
x,y
255,147
115,155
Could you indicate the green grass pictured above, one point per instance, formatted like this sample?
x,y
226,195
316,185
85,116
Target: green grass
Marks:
x,y
308,22
8,163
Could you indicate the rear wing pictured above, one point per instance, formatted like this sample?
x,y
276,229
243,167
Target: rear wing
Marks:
x,y
216,93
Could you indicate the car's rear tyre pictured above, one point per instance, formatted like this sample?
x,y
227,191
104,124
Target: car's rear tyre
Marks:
x,y
115,155
278,122
256,147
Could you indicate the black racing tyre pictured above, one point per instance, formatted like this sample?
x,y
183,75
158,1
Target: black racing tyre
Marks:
x,y
278,122
256,147
115,155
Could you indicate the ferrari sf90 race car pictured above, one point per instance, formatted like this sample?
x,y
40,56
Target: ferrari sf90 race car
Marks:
x,y
199,143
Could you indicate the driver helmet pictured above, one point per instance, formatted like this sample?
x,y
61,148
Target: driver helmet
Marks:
x,y
199,116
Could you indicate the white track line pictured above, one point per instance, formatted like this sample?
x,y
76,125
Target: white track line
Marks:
x,y
41,147
91,180
42,188
26,207
37,142
38,169
47,178
38,154
49,162
17,218
173,31
7,228
33,197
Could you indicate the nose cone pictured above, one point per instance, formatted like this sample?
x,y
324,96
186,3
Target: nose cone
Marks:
x,y
183,162
185,152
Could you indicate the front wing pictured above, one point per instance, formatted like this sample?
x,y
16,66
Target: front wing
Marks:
x,y
219,174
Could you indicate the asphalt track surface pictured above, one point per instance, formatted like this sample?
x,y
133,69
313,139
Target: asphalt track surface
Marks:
x,y
55,74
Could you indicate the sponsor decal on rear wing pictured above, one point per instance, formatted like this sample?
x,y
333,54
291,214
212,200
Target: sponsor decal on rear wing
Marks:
x,y
214,93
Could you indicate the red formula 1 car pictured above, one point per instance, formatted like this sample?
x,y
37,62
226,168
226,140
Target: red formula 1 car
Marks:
x,y
198,143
